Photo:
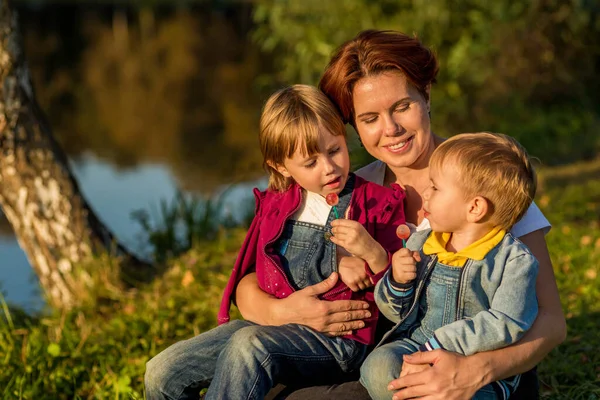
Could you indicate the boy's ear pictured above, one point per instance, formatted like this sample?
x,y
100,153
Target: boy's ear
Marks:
x,y
279,168
479,207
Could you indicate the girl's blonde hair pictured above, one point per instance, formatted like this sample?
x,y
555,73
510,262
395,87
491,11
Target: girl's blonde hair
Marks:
x,y
494,166
293,117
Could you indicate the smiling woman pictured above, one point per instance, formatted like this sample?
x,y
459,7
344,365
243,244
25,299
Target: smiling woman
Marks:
x,y
393,120
381,82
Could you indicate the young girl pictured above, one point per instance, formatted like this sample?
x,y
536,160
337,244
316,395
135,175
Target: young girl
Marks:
x,y
291,244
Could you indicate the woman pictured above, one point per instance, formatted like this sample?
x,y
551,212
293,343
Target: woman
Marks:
x,y
381,83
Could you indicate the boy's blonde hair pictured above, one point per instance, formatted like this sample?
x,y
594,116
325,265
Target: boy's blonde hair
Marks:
x,y
293,117
494,166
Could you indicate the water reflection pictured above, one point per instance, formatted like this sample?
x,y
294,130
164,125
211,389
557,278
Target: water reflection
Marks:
x,y
178,87
144,102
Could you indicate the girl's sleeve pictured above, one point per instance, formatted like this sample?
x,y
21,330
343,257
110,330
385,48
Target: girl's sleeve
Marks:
x,y
245,261
392,215
386,221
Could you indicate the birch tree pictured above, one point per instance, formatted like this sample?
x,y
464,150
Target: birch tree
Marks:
x,y
52,221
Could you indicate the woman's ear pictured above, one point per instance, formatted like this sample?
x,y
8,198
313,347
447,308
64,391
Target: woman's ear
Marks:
x,y
479,208
279,168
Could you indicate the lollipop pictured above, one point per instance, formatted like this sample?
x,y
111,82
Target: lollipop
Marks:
x,y
403,232
332,199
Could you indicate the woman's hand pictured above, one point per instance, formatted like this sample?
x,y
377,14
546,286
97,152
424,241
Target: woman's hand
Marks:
x,y
353,237
452,376
408,368
336,318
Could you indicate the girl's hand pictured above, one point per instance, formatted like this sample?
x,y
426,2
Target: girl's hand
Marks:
x,y
352,271
404,265
335,318
353,237
452,377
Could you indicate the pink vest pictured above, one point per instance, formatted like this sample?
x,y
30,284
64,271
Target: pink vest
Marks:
x,y
379,209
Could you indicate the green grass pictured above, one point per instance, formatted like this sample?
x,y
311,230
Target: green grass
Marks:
x,y
570,198
99,349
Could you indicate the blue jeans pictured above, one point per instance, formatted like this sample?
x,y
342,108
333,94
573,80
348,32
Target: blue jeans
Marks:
x,y
385,363
183,369
242,360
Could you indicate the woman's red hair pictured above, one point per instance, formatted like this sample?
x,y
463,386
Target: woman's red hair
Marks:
x,y
370,53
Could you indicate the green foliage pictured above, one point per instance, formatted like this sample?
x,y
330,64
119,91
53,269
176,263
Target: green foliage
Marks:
x,y
525,69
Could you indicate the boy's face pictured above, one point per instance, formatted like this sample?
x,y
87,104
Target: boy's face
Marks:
x,y
444,203
324,172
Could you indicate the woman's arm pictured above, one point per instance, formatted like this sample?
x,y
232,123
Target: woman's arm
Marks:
x,y
453,376
304,307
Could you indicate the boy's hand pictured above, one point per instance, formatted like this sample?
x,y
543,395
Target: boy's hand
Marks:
x,y
352,271
352,236
404,265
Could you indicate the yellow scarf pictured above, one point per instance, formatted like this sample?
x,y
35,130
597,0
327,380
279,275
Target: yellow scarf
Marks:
x,y
437,241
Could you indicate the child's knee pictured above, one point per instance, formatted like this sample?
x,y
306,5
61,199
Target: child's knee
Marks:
x,y
378,370
158,375
248,341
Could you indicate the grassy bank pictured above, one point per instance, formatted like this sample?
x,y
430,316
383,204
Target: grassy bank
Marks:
x,y
99,350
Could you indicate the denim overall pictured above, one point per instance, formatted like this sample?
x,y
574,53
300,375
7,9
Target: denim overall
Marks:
x,y
307,256
255,357
437,307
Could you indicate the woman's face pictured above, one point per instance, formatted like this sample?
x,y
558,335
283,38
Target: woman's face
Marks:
x,y
392,120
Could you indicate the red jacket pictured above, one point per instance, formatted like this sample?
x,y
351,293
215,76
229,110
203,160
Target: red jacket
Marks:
x,y
379,209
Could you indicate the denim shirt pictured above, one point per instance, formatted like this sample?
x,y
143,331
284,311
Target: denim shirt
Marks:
x,y
496,301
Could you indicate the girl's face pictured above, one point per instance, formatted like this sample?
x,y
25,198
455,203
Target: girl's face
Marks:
x,y
444,203
392,120
324,172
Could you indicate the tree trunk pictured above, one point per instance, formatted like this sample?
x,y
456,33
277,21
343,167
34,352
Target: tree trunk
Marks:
x,y
38,193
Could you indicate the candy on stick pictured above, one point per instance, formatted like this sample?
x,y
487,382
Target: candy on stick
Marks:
x,y
403,232
332,199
